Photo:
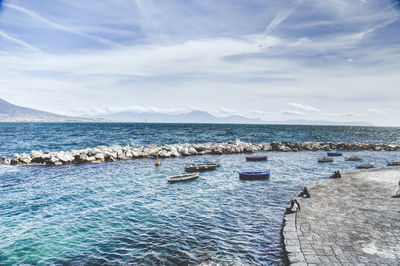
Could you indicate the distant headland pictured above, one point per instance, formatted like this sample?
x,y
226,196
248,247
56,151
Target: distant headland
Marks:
x,y
14,113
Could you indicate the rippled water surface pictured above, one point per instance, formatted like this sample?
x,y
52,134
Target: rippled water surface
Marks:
x,y
24,137
126,212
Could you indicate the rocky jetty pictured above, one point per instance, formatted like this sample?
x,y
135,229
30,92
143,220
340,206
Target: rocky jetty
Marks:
x,y
114,153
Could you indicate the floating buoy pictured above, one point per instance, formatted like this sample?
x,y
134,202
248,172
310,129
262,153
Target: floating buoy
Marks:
x,y
157,163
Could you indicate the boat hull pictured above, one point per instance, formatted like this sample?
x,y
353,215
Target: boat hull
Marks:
x,y
325,160
216,164
254,175
256,158
353,158
182,177
334,153
365,166
200,168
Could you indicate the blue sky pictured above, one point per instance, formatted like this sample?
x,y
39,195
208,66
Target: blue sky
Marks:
x,y
335,60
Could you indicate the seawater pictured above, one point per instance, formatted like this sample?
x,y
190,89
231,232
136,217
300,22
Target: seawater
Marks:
x,y
126,212
24,137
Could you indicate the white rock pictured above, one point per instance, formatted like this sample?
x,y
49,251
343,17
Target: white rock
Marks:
x,y
36,154
192,151
99,156
284,148
54,159
120,154
136,154
164,154
175,153
46,156
64,158
185,152
91,159
83,158
26,159
129,154
96,151
75,153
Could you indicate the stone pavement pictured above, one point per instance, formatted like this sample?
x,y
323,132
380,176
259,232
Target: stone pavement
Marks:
x,y
352,220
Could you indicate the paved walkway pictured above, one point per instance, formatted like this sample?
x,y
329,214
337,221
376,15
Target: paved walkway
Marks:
x,y
348,221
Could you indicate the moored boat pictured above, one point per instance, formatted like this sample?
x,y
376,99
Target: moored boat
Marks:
x,y
325,160
254,175
334,153
182,177
256,158
200,167
210,163
393,163
353,158
365,166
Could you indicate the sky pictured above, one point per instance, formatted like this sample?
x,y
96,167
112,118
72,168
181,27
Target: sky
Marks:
x,y
335,60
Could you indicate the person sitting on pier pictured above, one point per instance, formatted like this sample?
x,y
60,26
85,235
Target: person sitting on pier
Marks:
x,y
293,206
305,193
336,174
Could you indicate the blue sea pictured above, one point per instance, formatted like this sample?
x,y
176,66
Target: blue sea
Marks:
x,y
126,212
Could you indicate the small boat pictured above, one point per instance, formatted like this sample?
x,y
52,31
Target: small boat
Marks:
x,y
393,163
353,158
200,167
182,177
256,158
365,166
254,175
325,160
334,153
210,163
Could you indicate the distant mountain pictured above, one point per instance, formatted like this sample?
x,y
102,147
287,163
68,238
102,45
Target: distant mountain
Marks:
x,y
14,113
322,123
192,117
205,117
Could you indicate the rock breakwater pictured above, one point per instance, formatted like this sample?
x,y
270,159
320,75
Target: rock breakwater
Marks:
x,y
101,154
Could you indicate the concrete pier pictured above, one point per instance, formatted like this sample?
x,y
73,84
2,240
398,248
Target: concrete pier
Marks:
x,y
352,220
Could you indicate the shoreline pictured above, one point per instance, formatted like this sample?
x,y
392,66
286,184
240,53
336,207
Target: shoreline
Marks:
x,y
349,220
101,154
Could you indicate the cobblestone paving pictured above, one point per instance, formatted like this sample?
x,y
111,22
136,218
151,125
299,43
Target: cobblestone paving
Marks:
x,y
348,221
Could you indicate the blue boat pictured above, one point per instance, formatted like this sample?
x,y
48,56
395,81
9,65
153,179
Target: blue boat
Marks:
x,y
254,175
334,153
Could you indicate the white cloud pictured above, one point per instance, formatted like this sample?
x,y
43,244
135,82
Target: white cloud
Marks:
x,y
58,26
224,110
134,109
292,113
345,114
278,19
257,112
18,41
376,111
304,107
207,56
